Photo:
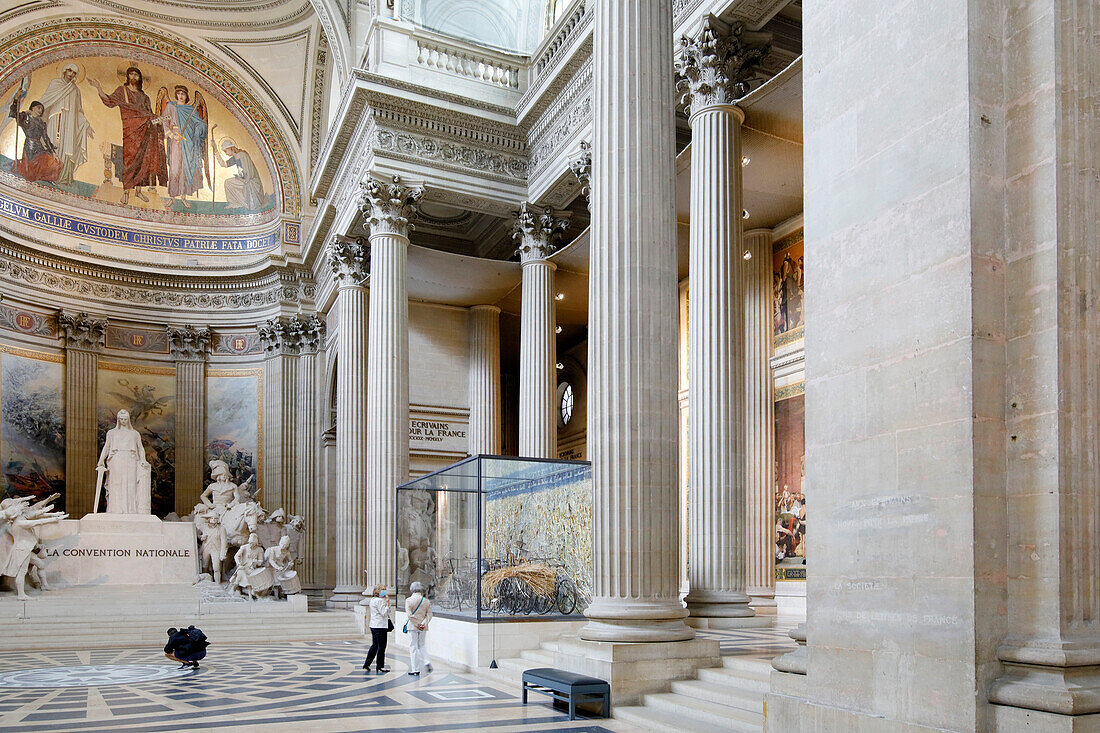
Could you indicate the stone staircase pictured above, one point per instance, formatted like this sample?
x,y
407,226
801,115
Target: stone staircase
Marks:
x,y
726,698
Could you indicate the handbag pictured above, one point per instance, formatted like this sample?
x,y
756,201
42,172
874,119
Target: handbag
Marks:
x,y
389,625
405,628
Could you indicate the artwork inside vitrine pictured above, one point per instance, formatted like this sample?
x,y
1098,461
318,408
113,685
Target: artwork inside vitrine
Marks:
x,y
128,136
32,424
790,489
148,394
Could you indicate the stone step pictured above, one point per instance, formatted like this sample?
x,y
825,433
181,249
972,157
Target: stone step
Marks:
x,y
657,721
733,678
730,695
719,717
541,657
516,666
749,667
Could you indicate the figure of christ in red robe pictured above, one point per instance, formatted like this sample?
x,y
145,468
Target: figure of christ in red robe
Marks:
x,y
143,158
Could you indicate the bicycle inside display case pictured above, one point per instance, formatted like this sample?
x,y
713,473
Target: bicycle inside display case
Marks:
x,y
497,538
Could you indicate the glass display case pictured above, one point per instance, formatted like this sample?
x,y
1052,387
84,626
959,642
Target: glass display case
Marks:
x,y
497,538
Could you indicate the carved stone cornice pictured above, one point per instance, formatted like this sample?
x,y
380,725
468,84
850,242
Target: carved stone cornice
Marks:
x,y
81,331
279,337
582,169
189,343
537,232
350,262
387,207
714,68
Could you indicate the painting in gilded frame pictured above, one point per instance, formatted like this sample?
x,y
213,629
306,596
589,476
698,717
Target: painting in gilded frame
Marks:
x,y
32,423
148,393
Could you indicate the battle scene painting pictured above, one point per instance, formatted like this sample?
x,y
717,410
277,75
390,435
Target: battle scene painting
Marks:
x,y
32,425
122,135
149,395
233,429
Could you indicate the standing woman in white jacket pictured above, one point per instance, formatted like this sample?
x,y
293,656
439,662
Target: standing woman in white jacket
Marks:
x,y
419,610
380,626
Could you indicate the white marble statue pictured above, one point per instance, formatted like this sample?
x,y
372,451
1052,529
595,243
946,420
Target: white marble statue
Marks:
x,y
215,547
21,523
281,562
222,491
129,478
252,575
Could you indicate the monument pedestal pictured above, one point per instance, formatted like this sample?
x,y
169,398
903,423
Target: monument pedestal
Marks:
x,y
119,549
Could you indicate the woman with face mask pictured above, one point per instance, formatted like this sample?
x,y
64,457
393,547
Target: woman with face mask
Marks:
x,y
381,624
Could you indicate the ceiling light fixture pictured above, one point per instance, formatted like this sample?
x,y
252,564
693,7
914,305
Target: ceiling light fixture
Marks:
x,y
745,160
559,365
557,329
744,213
747,255
559,296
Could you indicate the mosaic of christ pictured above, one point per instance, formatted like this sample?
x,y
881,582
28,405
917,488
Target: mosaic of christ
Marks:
x,y
132,135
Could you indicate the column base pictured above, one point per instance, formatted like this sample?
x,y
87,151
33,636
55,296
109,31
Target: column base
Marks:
x,y
719,604
345,596
763,605
634,670
621,620
1060,677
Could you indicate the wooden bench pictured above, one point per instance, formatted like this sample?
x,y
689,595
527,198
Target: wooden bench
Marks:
x,y
567,687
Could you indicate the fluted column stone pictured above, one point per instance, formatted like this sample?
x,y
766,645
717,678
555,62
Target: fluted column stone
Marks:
x,y
84,337
632,424
709,69
189,347
308,481
484,357
537,233
350,266
759,416
387,207
280,341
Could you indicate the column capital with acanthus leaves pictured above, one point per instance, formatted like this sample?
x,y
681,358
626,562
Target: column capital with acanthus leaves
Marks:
x,y
388,207
715,67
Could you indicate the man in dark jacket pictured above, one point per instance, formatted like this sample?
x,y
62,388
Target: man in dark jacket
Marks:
x,y
186,646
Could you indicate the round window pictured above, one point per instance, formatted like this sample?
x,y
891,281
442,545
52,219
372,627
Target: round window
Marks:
x,y
565,403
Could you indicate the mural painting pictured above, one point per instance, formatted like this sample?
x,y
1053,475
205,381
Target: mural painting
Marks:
x,y
790,487
234,430
149,394
788,282
32,423
122,134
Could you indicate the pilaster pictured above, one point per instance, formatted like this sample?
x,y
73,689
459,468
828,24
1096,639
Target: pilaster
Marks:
x,y
387,207
537,233
84,337
350,262
308,497
280,341
189,347
484,359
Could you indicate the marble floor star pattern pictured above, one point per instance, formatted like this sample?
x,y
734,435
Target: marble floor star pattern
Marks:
x,y
301,686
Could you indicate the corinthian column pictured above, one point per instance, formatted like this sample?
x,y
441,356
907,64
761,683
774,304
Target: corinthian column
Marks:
x,y
84,337
308,501
387,207
756,273
537,234
708,67
632,321
349,262
484,338
280,341
189,346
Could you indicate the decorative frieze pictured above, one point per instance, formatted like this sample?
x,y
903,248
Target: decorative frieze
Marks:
x,y
188,343
714,67
144,340
28,322
537,232
81,331
469,157
387,207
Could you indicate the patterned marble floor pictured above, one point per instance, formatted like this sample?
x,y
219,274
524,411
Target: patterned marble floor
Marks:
x,y
302,686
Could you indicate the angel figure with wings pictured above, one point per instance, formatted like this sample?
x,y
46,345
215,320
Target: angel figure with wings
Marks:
x,y
186,125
